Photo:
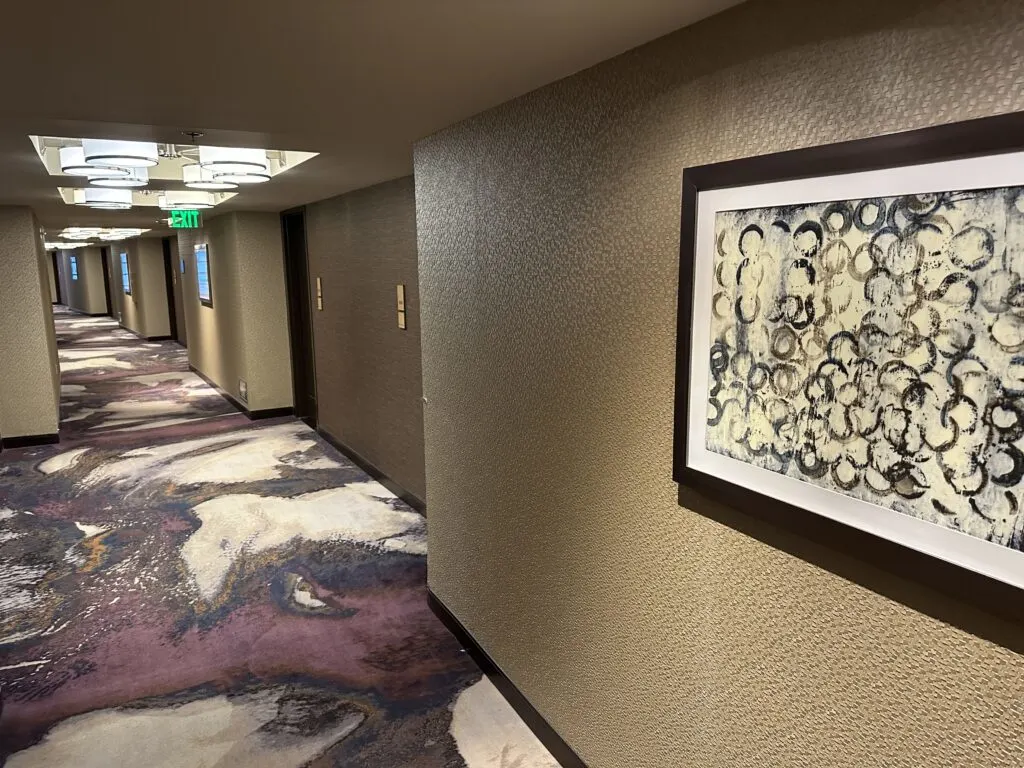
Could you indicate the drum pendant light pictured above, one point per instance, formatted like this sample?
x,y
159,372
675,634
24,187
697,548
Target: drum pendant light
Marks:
x,y
197,177
136,177
174,200
72,163
235,165
107,199
121,154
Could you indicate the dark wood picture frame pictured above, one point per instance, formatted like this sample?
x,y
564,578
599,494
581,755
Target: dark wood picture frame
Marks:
x,y
984,136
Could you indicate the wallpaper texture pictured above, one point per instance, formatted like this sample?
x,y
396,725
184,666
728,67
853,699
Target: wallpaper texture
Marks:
x,y
244,334
650,635
29,379
362,245
145,310
87,293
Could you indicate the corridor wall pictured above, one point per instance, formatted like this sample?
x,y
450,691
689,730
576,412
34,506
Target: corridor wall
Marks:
x,y
88,293
362,245
29,371
649,634
242,335
144,311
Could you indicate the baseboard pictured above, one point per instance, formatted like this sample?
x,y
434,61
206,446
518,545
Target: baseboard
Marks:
x,y
265,413
375,472
269,413
138,335
548,736
27,441
220,390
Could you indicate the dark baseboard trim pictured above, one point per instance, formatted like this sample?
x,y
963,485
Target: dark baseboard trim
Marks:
x,y
376,473
266,413
269,413
220,390
548,736
138,335
28,441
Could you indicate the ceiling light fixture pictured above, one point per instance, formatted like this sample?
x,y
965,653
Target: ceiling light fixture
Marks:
x,y
242,178
197,177
105,199
103,233
136,177
60,245
72,162
122,154
234,160
120,234
175,200
80,233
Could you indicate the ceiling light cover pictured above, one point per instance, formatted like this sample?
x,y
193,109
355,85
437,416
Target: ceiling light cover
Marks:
x,y
175,200
197,177
72,162
80,233
103,233
124,154
62,246
221,160
232,177
110,199
135,177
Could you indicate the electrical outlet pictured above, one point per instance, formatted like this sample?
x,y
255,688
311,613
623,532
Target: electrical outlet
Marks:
x,y
243,391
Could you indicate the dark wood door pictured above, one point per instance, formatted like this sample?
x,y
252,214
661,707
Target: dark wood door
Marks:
x,y
56,277
105,257
172,309
300,315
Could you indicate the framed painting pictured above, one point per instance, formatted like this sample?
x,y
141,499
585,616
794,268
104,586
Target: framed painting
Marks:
x,y
851,337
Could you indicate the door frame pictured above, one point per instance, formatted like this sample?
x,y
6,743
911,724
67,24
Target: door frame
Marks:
x,y
105,264
300,334
54,257
172,311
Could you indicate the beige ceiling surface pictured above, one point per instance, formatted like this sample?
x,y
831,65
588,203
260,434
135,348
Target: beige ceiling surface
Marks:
x,y
356,80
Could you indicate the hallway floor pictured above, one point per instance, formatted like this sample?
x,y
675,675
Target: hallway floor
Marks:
x,y
180,586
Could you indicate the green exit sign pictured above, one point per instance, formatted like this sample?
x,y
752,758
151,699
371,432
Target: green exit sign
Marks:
x,y
186,220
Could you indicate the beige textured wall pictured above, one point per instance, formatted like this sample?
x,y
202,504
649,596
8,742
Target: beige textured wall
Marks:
x,y
362,245
215,344
648,634
264,310
29,377
244,335
145,310
86,294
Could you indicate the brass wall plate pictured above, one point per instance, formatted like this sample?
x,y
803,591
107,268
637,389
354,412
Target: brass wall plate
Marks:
x,y
319,295
400,292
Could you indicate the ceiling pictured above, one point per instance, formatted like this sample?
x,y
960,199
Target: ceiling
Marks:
x,y
358,81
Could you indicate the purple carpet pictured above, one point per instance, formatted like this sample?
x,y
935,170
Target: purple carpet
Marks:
x,y
180,586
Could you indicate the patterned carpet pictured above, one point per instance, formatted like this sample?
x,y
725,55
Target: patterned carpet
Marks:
x,y
180,586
